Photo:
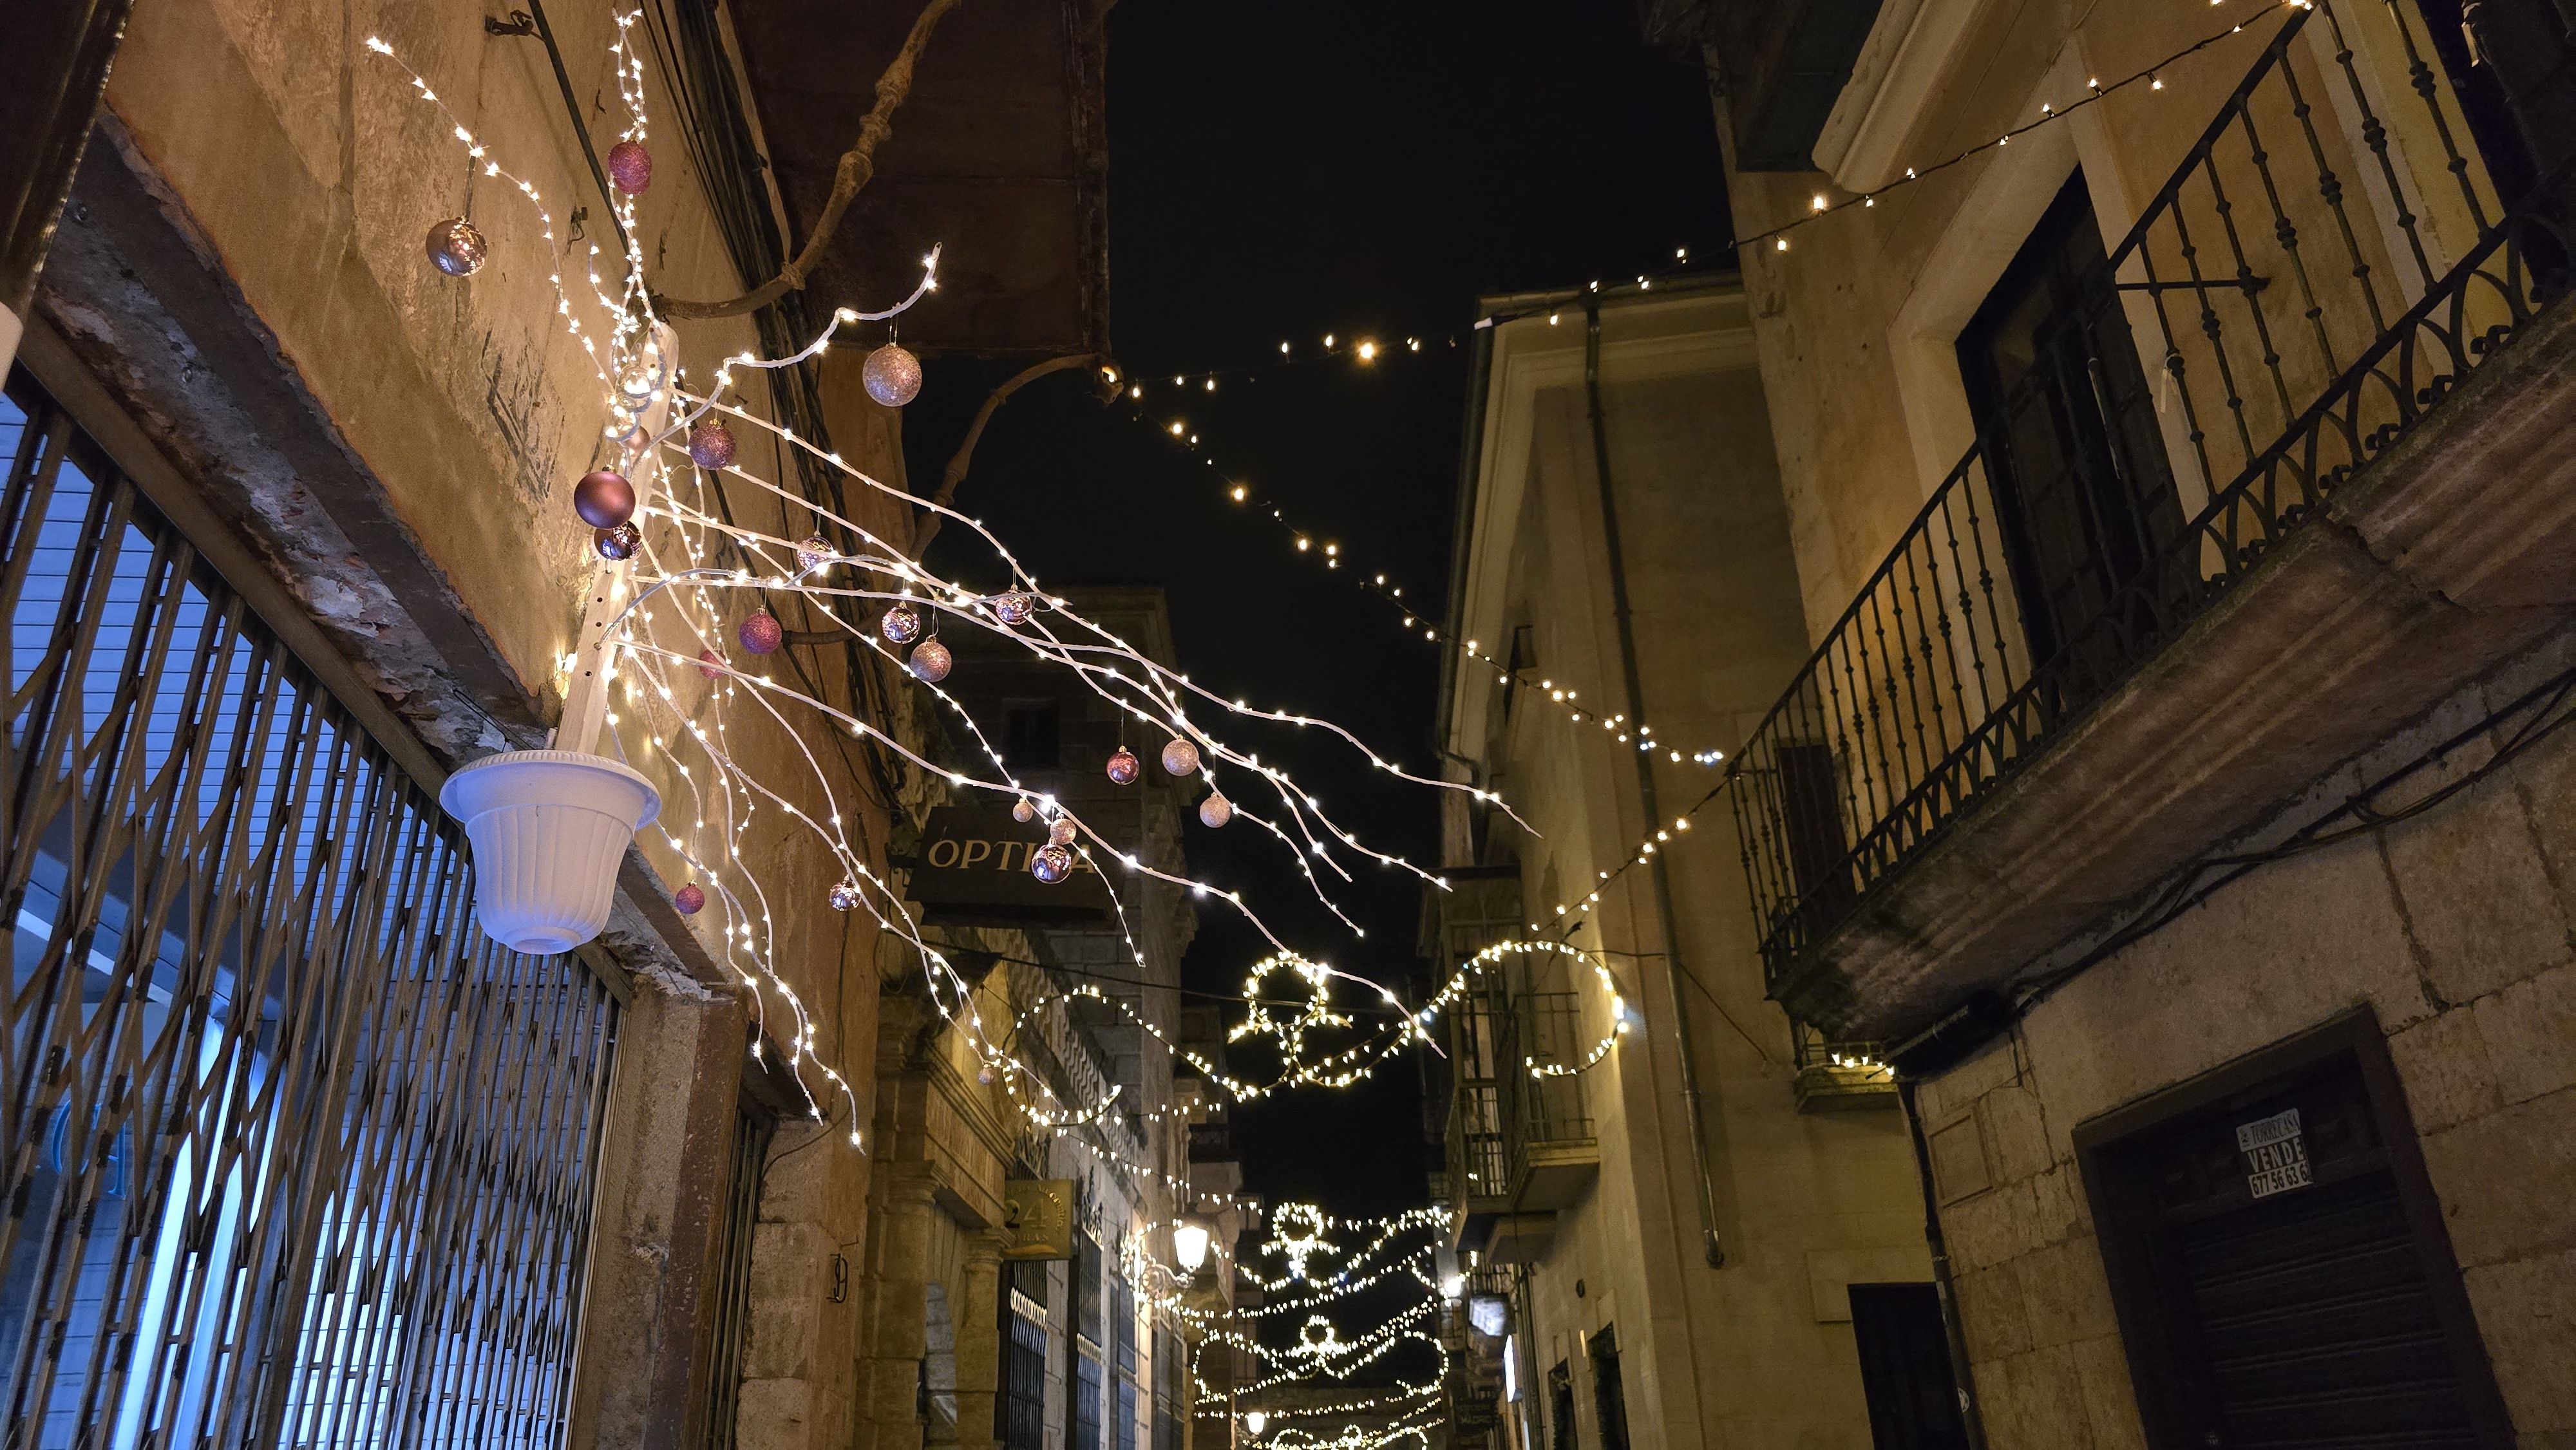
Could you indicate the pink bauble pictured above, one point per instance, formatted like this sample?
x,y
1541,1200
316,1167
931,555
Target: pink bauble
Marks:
x,y
900,624
930,661
1051,864
711,664
711,445
630,167
689,899
1180,756
1015,606
620,542
604,498
891,375
761,633
1216,810
1123,767
456,248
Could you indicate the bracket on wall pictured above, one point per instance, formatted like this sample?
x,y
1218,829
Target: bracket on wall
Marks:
x,y
519,23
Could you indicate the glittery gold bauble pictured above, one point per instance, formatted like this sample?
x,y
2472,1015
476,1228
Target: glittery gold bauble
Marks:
x,y
1024,810
1062,832
930,661
891,375
1180,756
1216,810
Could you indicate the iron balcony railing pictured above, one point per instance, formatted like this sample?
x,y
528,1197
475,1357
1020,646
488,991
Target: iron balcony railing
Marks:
x,y
1501,1111
2280,315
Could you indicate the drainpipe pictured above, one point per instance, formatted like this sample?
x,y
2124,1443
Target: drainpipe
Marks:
x,y
50,85
1961,1378
1619,608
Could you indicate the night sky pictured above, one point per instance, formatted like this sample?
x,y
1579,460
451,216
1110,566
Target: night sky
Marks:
x,y
1281,169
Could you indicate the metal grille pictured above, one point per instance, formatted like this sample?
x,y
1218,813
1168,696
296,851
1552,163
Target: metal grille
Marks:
x,y
2296,323
295,1155
752,1130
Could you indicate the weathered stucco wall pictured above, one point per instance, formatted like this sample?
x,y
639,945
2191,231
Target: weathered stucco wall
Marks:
x,y
2458,927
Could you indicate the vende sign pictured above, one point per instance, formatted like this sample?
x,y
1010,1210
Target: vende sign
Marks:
x,y
973,869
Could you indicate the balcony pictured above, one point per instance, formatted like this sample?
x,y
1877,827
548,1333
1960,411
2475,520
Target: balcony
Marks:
x,y
2346,481
1521,1145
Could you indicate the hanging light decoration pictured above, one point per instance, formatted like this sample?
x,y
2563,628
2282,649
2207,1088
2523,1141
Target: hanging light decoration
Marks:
x,y
1123,768
456,248
891,375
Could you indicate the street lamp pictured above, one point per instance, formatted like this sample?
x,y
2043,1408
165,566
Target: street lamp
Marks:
x,y
1256,1421
1190,1245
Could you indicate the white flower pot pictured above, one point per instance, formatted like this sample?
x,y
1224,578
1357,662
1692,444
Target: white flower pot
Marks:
x,y
549,828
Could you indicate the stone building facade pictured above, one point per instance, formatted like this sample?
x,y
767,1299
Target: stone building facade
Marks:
x,y
1675,1231
2171,405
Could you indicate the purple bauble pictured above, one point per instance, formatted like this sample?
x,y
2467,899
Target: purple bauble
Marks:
x,y
630,167
930,661
1015,606
761,633
1216,810
815,552
711,446
711,664
1180,756
620,542
1051,864
456,248
891,375
901,624
604,498
1123,767
689,899
844,897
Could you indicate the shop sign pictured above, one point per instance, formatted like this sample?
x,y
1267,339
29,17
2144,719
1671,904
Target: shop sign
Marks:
x,y
1037,1215
2276,1153
973,869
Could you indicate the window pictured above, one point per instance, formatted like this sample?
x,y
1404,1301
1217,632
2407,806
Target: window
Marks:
x,y
1024,1376
1086,1380
2084,501
1609,1393
1560,1407
752,1130
2278,1261
316,1165
1030,738
1086,1400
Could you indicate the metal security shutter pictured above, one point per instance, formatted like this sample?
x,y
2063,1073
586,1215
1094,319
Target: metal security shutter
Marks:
x,y
2278,1262
297,1156
2316,1326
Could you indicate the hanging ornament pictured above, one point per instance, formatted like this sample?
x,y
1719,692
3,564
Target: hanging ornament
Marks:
x,y
711,664
630,167
711,446
604,498
620,542
690,899
1051,864
891,375
761,633
1015,606
1180,756
901,624
1061,832
930,662
1122,767
1024,810
986,1075
1216,810
456,248
844,897
815,552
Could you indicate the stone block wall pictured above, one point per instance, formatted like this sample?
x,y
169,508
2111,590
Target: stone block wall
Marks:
x,y
2457,926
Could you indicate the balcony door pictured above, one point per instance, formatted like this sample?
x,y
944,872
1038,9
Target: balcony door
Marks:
x,y
2066,420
